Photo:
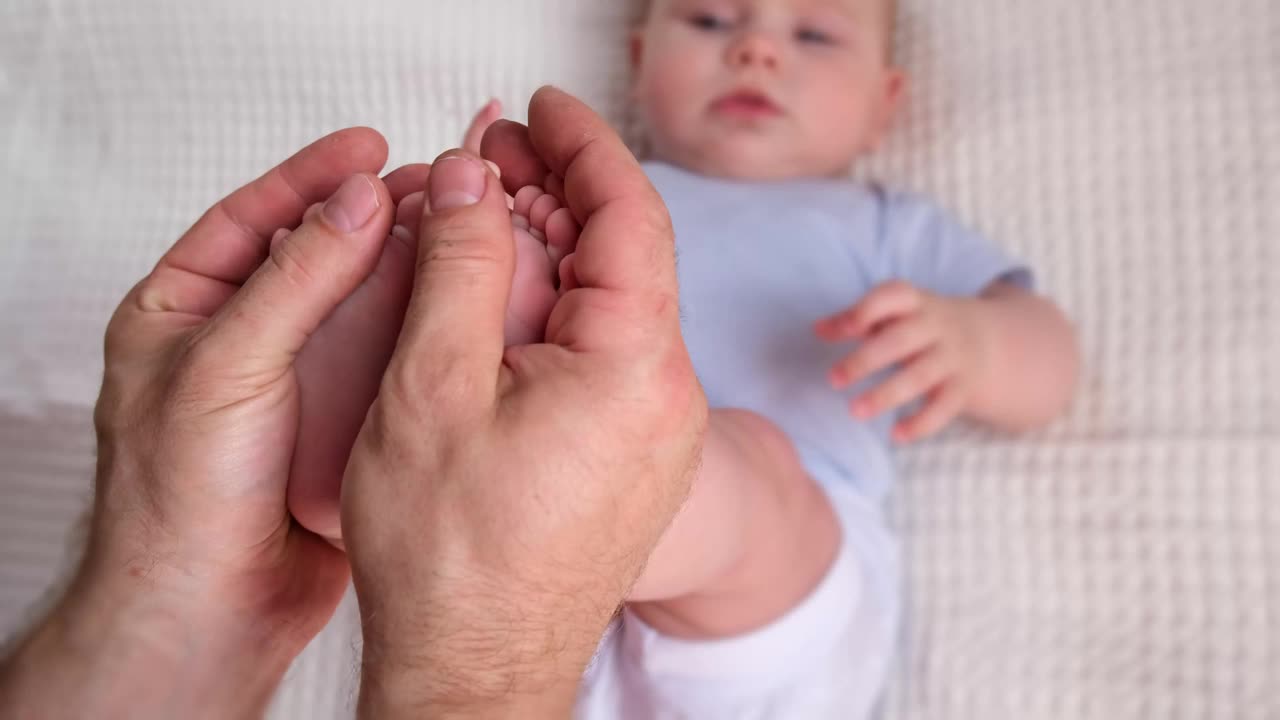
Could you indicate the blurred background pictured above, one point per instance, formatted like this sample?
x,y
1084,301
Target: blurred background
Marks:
x,y
1125,564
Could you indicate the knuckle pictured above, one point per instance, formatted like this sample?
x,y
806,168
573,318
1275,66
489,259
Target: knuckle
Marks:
x,y
903,339
453,242
290,261
907,385
901,393
428,395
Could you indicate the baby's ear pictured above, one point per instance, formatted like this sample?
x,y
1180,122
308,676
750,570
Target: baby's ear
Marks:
x,y
636,41
895,89
894,92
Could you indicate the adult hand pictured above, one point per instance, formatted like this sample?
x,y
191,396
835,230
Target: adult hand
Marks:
x,y
197,589
341,367
500,502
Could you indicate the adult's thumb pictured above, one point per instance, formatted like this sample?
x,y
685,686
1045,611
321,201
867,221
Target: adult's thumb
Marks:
x,y
305,277
452,337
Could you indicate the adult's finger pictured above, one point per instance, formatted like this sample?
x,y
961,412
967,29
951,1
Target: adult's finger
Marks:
x,y
453,332
230,241
604,187
308,273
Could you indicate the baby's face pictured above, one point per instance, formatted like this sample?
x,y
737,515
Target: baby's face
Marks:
x,y
765,89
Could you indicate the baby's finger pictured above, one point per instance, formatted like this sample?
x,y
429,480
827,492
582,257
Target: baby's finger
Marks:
x,y
896,343
945,404
886,302
913,381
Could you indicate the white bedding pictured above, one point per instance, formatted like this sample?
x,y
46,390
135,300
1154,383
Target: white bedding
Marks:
x,y
1125,564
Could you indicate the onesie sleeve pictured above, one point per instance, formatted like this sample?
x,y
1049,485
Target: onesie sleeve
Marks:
x,y
924,245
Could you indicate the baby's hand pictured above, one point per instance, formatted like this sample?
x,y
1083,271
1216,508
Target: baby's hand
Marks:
x,y
936,341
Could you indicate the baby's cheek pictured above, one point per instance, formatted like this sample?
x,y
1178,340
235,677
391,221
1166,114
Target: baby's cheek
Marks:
x,y
670,98
838,132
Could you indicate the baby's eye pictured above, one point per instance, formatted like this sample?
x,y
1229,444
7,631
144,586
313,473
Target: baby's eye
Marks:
x,y
815,37
709,22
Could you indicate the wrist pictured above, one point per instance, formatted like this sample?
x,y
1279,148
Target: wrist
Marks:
x,y
973,319
982,324
389,693
465,674
125,648
481,660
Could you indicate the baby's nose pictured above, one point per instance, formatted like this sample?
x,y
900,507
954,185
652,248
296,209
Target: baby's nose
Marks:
x,y
754,48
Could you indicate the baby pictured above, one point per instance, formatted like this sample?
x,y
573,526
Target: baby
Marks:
x,y
826,320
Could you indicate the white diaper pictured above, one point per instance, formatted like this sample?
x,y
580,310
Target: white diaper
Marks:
x,y
828,657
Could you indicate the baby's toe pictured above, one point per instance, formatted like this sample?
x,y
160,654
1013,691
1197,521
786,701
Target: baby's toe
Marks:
x,y
409,212
542,209
562,234
279,235
525,198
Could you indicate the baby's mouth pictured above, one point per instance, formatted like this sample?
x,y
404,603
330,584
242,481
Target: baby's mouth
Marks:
x,y
746,104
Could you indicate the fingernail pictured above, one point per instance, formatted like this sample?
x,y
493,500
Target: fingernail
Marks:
x,y
353,206
402,234
455,182
279,235
494,167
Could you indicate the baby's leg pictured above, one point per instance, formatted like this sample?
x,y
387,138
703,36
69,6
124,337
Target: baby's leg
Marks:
x,y
755,538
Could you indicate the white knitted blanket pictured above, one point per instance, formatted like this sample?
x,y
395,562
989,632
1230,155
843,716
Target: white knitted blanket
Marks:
x,y
1124,565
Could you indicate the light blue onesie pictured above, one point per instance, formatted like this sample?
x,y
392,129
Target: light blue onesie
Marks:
x,y
759,263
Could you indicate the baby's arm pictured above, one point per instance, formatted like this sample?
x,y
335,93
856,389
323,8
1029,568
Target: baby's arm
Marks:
x,y
1006,357
1031,361
756,536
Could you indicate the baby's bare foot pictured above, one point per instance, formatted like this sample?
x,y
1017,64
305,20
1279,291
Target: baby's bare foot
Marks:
x,y
340,368
339,371
545,237
545,234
